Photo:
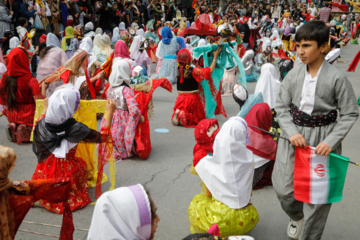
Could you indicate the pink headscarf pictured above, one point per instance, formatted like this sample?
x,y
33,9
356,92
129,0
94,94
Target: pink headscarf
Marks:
x,y
121,49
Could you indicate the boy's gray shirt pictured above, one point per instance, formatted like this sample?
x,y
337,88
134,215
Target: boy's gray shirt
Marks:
x,y
333,91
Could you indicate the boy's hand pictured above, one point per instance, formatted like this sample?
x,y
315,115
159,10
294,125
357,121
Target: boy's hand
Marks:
x,y
323,149
298,140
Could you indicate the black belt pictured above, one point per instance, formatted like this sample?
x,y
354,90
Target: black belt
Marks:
x,y
303,119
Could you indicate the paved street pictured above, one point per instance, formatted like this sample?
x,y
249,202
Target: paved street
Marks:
x,y
166,174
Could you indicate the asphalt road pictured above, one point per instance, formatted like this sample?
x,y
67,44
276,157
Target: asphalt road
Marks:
x,y
166,174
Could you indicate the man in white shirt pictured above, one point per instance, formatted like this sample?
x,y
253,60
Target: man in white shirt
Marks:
x,y
313,10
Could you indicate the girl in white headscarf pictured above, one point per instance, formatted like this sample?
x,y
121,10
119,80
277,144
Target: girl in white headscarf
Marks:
x,y
124,34
116,35
105,48
96,44
88,30
14,43
51,58
268,84
56,137
124,213
98,81
127,115
138,55
228,176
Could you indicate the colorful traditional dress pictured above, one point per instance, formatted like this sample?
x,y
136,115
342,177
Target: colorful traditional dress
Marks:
x,y
18,197
127,114
54,58
225,198
21,114
56,137
143,93
261,144
167,51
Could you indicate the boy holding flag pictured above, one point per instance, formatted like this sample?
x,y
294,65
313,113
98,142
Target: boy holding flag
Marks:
x,y
316,106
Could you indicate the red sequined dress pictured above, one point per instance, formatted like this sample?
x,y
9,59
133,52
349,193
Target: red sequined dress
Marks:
x,y
189,101
71,167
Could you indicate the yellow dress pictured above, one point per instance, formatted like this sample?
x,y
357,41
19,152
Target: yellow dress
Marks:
x,y
86,114
205,210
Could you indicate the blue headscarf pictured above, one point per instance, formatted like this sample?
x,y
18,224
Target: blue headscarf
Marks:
x,y
181,42
166,35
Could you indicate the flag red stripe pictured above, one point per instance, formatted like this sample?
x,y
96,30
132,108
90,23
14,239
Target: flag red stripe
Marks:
x,y
302,180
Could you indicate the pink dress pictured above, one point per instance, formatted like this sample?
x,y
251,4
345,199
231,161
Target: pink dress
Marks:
x,y
125,120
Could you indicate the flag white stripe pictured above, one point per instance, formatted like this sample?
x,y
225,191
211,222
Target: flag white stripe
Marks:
x,y
319,182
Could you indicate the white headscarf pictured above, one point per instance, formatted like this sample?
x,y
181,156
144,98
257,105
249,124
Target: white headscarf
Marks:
x,y
202,42
140,32
121,72
268,84
89,26
62,105
87,45
134,25
52,41
104,42
228,174
275,35
96,46
122,214
99,31
116,35
134,48
122,26
14,42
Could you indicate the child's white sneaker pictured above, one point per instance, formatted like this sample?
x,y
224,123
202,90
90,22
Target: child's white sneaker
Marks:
x,y
294,228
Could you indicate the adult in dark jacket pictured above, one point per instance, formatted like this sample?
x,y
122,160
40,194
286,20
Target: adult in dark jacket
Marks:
x,y
105,17
21,10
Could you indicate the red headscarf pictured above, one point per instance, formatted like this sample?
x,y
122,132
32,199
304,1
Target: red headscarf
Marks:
x,y
18,64
262,144
121,49
183,58
69,22
204,143
42,39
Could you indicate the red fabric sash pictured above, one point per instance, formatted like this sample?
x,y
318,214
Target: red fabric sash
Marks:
x,y
354,63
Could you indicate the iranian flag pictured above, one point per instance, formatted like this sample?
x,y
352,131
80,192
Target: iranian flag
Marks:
x,y
318,179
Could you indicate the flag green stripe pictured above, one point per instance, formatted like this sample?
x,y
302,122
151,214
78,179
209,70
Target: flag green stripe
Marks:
x,y
337,168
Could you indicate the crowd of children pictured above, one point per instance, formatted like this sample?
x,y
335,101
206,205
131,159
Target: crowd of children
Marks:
x,y
53,92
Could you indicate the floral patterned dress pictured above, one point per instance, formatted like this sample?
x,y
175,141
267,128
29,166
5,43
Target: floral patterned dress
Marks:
x,y
125,120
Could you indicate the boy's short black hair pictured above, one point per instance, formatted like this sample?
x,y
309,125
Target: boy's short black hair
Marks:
x,y
313,31
22,21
